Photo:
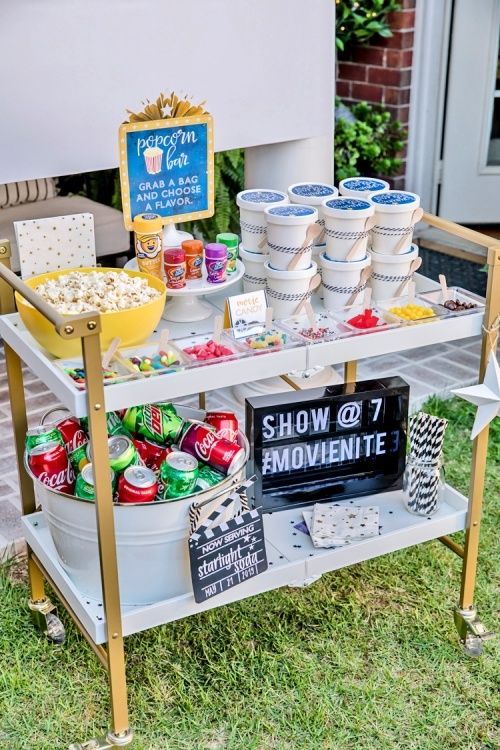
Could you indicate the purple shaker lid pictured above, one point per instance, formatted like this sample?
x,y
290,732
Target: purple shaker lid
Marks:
x,y
216,250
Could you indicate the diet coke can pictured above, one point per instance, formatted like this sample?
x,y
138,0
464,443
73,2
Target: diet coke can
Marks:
x,y
153,454
50,463
201,441
225,424
137,484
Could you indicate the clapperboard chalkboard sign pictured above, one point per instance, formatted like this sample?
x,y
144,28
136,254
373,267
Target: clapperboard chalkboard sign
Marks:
x,y
225,554
167,168
328,443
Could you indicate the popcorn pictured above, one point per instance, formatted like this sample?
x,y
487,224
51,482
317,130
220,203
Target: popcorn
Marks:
x,y
108,291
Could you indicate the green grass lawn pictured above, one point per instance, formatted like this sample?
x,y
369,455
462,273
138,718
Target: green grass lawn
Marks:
x,y
365,659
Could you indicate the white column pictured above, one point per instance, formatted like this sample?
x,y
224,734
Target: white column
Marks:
x,y
278,165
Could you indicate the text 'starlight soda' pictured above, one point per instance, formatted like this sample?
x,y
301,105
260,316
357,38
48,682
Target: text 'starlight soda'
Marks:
x,y
85,483
148,233
200,441
194,258
152,453
216,262
42,434
224,423
137,484
174,265
159,422
50,463
231,241
122,453
178,475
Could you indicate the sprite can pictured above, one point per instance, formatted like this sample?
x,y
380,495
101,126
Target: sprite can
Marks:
x,y
122,453
160,423
231,241
85,488
208,477
78,457
114,424
42,434
178,475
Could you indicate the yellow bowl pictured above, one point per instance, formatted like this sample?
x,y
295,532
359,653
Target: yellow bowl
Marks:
x,y
132,326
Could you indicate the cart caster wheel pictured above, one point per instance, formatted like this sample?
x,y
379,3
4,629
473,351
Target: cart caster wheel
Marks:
x,y
55,631
473,646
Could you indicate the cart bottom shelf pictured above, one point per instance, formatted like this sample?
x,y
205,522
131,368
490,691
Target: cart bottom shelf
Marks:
x,y
293,560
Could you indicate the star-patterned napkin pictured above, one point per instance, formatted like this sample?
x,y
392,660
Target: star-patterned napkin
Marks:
x,y
339,525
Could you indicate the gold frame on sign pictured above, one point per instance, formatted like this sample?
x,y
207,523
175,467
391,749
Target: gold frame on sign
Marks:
x,y
87,327
133,127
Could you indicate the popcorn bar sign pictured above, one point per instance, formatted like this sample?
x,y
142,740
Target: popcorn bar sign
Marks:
x,y
332,443
167,168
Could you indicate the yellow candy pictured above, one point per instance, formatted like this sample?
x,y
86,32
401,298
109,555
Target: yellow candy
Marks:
x,y
412,312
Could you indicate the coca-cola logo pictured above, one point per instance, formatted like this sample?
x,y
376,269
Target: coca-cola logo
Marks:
x,y
60,480
78,439
203,447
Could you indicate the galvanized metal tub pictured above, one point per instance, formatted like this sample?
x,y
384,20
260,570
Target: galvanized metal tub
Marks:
x,y
151,539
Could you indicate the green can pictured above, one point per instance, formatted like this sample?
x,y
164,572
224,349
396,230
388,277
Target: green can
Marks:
x,y
78,457
42,434
132,418
208,477
115,424
231,241
85,488
178,475
122,453
160,423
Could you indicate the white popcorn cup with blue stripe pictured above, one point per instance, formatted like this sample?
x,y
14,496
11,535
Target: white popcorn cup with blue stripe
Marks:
x,y
389,271
286,233
252,220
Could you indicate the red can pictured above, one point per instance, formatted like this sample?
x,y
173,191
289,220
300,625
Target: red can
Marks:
x,y
201,442
151,453
137,484
50,463
174,262
72,433
225,423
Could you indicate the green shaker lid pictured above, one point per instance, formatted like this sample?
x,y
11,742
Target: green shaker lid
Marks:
x,y
228,239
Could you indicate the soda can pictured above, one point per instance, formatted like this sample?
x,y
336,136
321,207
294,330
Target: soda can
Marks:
x,y
137,484
85,487
115,425
122,453
151,453
178,475
208,477
160,423
50,463
132,418
74,436
200,441
42,434
225,424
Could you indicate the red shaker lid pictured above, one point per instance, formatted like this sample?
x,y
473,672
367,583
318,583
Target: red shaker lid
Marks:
x,y
174,255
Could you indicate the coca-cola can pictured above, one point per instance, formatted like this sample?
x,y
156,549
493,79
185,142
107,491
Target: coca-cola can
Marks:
x,y
225,424
153,454
74,436
201,441
137,484
50,463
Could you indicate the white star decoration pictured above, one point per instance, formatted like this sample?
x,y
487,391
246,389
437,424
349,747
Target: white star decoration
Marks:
x,y
485,395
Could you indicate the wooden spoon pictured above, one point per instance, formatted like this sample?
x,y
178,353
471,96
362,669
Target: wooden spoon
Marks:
x,y
313,284
218,323
403,241
269,317
110,353
363,278
445,295
313,231
369,224
263,241
414,266
163,343
311,315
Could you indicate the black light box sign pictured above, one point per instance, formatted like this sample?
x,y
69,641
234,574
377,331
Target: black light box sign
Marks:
x,y
336,442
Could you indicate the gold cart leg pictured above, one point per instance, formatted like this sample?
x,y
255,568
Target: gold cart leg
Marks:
x,y
202,400
120,734
472,632
350,369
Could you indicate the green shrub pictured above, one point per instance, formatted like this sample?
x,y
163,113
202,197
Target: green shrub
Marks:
x,y
358,22
367,141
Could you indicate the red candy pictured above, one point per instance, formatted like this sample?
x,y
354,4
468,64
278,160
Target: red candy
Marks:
x,y
209,350
365,320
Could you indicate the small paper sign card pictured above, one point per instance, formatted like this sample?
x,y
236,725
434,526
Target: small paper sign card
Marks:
x,y
246,313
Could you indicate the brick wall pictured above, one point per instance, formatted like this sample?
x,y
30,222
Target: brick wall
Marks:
x,y
380,72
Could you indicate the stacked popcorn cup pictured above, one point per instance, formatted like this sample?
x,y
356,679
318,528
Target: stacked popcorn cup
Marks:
x,y
253,248
392,253
345,260
291,230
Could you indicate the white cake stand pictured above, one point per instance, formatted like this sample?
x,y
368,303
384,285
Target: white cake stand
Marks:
x,y
185,305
